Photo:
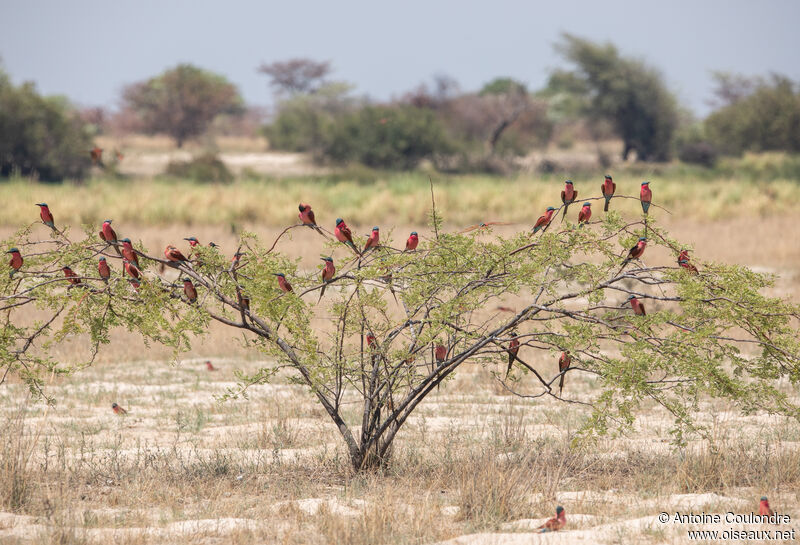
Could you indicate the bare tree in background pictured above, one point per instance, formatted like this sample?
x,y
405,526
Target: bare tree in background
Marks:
x,y
296,76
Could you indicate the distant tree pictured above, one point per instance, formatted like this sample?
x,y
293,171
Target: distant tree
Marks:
x,y
40,136
182,102
296,76
759,116
625,91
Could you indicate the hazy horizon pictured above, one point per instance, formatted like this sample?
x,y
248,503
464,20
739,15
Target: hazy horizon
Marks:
x,y
88,50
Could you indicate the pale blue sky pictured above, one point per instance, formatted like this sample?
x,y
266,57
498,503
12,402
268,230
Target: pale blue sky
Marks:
x,y
88,50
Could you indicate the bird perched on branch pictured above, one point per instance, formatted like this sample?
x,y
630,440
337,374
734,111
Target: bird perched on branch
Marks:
x,y
16,261
103,270
635,252
564,362
283,284
118,410
70,275
683,262
306,216
568,196
192,241
327,275
128,252
132,270
646,196
513,350
544,220
373,241
46,215
440,353
412,242
107,233
608,189
189,290
556,523
638,306
174,255
343,234
585,214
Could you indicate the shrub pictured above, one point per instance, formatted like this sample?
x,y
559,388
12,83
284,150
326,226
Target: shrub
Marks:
x,y
203,168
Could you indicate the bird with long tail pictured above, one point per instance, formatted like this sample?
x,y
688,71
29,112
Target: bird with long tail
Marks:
x,y
646,196
16,261
118,410
343,234
283,284
564,361
412,242
568,196
103,269
70,275
128,251
684,263
327,275
46,215
544,220
608,188
635,252
513,350
556,523
373,241
585,214
132,270
306,216
637,306
174,255
189,290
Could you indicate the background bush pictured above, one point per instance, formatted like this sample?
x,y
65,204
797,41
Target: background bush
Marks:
x,y
203,168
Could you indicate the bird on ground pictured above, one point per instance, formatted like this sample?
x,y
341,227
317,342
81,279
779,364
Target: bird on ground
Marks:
x,y
306,216
46,215
564,361
544,220
107,233
513,350
645,195
128,252
635,252
373,240
189,290
16,261
102,268
638,306
210,366
483,225
585,214
327,275
118,410
440,353
70,275
343,234
568,196
97,156
132,270
174,255
608,189
683,261
412,242
556,523
283,284
764,508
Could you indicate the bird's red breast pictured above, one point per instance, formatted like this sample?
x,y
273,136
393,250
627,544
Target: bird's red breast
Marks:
x,y
585,214
16,260
210,366
102,268
645,194
411,243
440,352
513,346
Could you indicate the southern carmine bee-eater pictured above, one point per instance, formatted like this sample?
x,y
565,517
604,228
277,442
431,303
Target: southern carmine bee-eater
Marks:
x,y
118,410
635,252
283,284
102,268
210,366
412,242
174,255
544,220
46,215
585,214
556,523
568,196
127,251
607,189
192,241
373,241
638,306
646,196
108,233
343,234
763,507
16,261
683,262
440,353
132,270
327,275
70,275
189,290
306,216
564,361
513,350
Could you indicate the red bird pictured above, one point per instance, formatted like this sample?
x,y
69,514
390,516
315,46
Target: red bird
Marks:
x,y
636,251
683,261
556,523
97,155
192,241
544,220
343,234
128,252
118,410
645,195
412,242
585,214
608,189
638,307
16,261
132,270
283,284
210,366
371,341
174,255
189,290
440,353
764,508
102,268
513,350
568,196
564,362
108,233
373,240
46,215
70,275
327,275
306,216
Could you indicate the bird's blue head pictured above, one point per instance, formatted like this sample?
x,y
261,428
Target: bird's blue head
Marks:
x,y
608,177
763,498
568,182
414,233
631,297
44,204
642,239
187,279
645,183
102,259
191,239
280,274
587,204
339,220
327,259
559,509
550,209
126,239
12,250
374,229
108,221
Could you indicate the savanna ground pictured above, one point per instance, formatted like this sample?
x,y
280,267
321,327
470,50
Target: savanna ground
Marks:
x,y
475,465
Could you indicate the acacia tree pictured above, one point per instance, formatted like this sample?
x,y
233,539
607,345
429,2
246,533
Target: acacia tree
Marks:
x,y
400,323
